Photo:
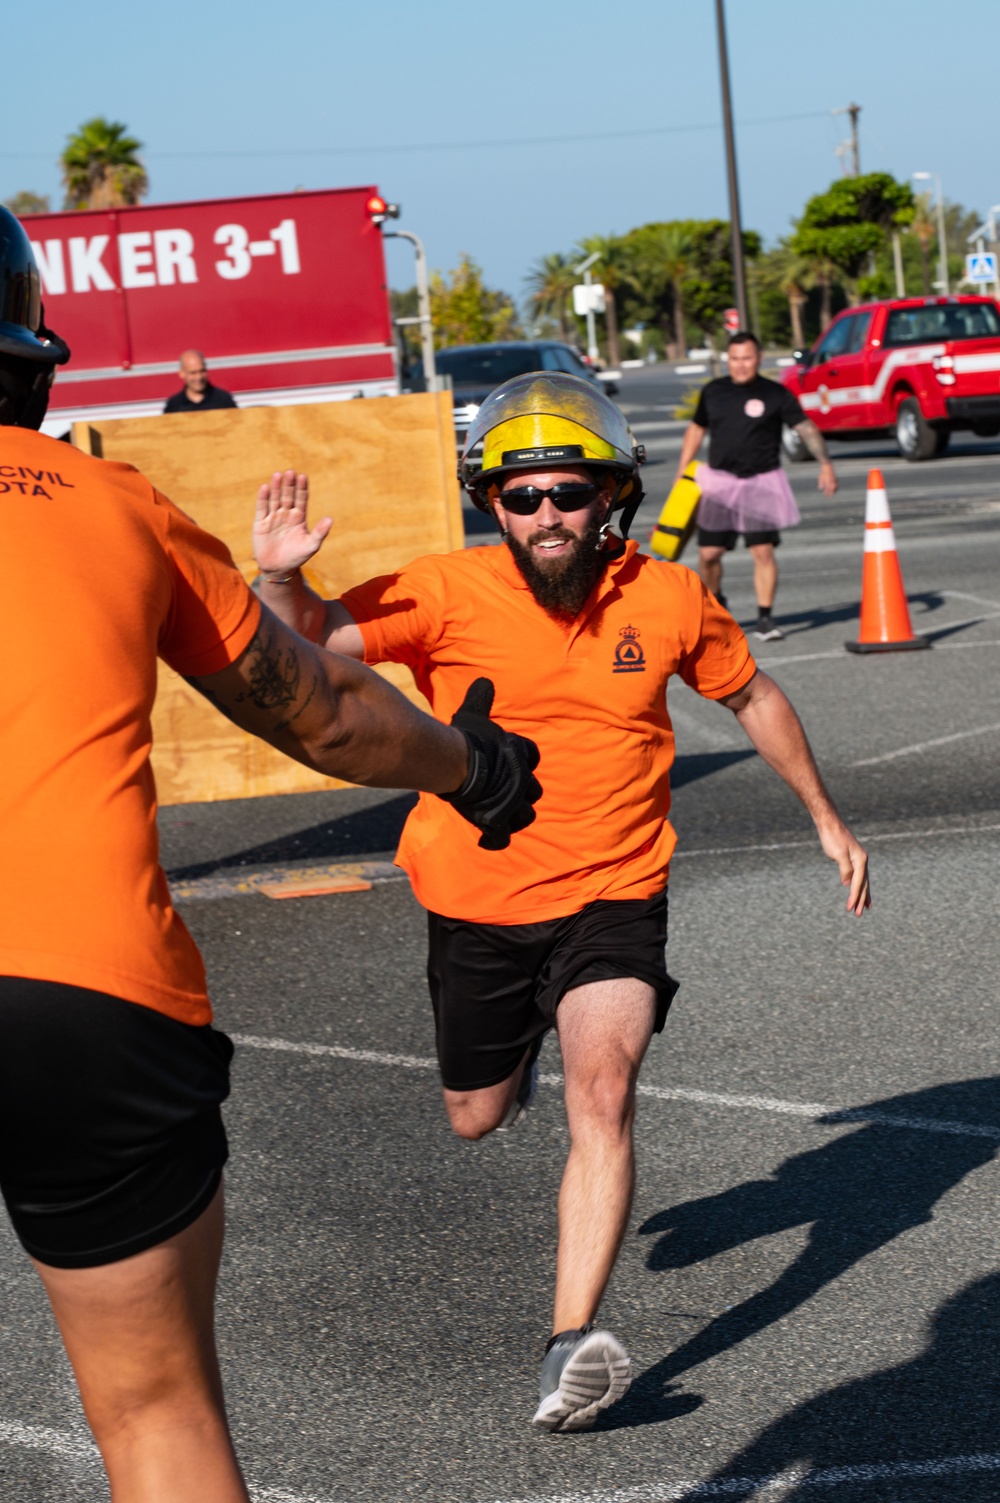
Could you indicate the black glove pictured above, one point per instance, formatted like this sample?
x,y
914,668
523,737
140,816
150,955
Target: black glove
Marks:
x,y
499,789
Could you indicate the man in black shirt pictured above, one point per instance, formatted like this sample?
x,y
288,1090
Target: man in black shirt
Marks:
x,y
198,394
743,487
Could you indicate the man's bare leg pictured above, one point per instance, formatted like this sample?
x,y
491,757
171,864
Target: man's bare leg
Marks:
x,y
604,1031
140,1336
765,575
473,1114
710,568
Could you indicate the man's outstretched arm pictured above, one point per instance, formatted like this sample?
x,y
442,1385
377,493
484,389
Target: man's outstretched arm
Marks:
x,y
770,721
333,714
341,719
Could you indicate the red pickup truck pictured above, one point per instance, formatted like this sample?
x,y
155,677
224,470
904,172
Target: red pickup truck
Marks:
x,y
919,367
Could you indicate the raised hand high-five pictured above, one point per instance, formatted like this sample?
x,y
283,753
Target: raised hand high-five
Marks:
x,y
282,541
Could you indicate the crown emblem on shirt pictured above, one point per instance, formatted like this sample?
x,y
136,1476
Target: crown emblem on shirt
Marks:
x,y
629,656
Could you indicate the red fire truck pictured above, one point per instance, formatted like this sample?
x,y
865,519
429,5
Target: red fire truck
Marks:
x,y
919,367
284,294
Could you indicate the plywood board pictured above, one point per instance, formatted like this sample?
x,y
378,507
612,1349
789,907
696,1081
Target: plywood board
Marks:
x,y
383,468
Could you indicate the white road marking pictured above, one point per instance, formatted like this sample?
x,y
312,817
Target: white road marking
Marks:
x,y
794,845
77,1447
73,1445
803,657
976,599
922,746
962,646
335,1051
809,1109
953,625
745,1487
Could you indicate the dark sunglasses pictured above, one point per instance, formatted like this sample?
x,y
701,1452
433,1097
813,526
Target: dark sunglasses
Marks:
x,y
524,500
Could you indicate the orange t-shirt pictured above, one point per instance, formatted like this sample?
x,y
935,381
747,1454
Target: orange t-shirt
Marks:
x,y
594,698
101,574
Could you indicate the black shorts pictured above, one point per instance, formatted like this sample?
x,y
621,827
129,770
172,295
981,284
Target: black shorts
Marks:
x,y
727,539
111,1138
496,987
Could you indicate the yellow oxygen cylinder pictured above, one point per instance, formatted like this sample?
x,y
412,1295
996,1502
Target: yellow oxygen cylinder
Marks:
x,y
680,510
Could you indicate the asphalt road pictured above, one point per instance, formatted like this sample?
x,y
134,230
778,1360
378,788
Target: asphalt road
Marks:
x,y
810,1287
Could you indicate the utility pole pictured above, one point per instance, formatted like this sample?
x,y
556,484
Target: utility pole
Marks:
x,y
739,270
854,110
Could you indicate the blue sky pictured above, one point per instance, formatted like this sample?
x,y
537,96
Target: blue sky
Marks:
x,y
257,97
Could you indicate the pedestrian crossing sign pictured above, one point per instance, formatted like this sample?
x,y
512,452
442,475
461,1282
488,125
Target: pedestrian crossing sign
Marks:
x,y
981,266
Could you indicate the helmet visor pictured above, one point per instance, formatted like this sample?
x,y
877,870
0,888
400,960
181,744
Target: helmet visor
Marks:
x,y
539,396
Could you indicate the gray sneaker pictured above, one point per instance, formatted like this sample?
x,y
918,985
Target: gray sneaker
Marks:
x,y
526,1091
768,630
583,1372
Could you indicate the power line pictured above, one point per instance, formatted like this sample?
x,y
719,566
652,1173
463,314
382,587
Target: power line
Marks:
x,y
410,148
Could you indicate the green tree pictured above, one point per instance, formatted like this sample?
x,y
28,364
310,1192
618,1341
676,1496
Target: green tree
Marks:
x,y
550,284
841,230
681,272
101,168
662,256
710,288
24,203
466,311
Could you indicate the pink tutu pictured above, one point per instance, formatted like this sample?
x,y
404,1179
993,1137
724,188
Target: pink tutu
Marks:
x,y
758,503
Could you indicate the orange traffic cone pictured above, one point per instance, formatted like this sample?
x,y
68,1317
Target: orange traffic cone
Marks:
x,y
885,615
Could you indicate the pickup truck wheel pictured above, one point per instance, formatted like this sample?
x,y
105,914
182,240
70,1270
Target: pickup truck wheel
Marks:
x,y
916,438
793,448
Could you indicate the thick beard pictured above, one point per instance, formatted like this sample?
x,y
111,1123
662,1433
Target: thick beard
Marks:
x,y
562,587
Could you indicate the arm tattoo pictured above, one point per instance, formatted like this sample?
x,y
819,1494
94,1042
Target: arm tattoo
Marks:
x,y
274,682
813,440
273,675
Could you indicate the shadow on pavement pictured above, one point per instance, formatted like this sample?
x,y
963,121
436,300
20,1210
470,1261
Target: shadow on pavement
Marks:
x,y
890,1436
377,830
793,623
859,1192
363,832
702,765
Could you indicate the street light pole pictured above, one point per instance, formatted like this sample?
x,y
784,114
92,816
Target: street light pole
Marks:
x,y
584,268
739,270
942,236
423,306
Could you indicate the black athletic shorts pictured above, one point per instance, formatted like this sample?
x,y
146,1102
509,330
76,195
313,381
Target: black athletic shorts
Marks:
x,y
496,987
727,539
111,1138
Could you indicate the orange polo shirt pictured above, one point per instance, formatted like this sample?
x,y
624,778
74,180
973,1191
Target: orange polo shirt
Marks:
x,y
592,695
100,574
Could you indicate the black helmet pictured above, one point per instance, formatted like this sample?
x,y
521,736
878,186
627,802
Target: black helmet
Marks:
x,y
22,330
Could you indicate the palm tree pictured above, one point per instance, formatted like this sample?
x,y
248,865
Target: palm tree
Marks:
x,y
796,275
550,283
674,247
100,167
